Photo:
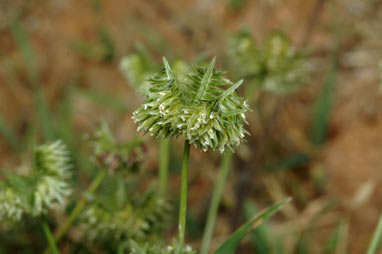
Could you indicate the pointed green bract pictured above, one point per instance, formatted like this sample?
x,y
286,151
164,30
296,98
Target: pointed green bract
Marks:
x,y
206,79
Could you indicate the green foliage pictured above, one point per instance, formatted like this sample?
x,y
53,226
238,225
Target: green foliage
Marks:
x,y
230,245
45,187
9,134
323,107
122,210
275,66
376,240
260,235
197,108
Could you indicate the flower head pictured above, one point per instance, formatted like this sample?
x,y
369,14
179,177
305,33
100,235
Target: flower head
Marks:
x,y
52,159
197,107
44,188
50,191
11,205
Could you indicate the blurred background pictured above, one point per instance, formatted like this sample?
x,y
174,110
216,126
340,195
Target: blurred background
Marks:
x,y
321,144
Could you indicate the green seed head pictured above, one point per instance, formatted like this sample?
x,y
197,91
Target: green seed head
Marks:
x,y
195,106
277,66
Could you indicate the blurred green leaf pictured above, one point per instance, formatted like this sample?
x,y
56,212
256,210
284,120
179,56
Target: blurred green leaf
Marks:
x,y
289,162
23,185
229,246
103,99
303,246
323,107
26,50
376,239
259,236
44,116
107,43
9,135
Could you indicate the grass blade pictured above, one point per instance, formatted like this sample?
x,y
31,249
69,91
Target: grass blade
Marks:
x,y
26,50
334,242
102,99
44,116
376,239
50,238
214,205
230,245
259,236
323,107
9,135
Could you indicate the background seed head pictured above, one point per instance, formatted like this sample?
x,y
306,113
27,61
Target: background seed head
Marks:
x,y
276,66
11,206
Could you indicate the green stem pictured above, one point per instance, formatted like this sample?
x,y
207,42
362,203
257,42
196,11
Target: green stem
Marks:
x,y
79,207
183,196
164,155
214,205
49,237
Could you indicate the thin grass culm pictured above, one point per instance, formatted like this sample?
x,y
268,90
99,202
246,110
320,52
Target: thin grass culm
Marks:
x,y
49,237
183,196
164,156
216,197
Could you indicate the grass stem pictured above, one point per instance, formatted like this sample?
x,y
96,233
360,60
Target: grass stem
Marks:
x,y
214,205
164,155
49,237
183,196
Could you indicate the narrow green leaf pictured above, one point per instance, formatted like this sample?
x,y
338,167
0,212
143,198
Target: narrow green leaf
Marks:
x,y
25,48
44,116
259,236
107,43
323,107
49,238
206,79
103,99
230,245
376,239
9,135
333,242
289,162
231,89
